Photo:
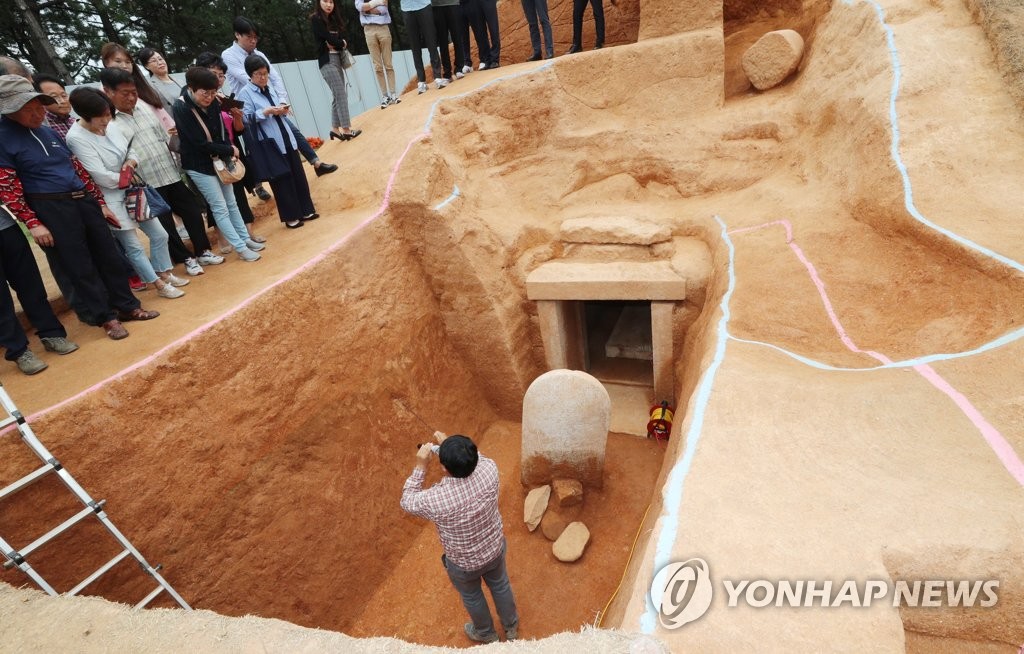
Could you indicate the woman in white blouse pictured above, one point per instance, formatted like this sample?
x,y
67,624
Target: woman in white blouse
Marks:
x,y
105,152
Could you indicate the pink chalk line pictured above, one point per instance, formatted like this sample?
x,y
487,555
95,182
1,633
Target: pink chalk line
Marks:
x,y
385,203
1002,448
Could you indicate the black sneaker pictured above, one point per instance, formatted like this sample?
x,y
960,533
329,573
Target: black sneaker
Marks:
x,y
262,194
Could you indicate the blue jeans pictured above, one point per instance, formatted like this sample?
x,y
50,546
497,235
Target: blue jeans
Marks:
x,y
221,198
537,10
159,259
467,582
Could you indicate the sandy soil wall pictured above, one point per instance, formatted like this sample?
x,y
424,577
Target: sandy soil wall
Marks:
x,y
276,460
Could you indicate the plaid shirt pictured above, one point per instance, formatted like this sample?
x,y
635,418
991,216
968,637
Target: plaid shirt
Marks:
x,y
60,124
465,512
156,165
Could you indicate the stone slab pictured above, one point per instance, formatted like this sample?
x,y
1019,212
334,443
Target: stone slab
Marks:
x,y
615,280
617,230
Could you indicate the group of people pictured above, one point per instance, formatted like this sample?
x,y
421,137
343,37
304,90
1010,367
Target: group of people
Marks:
x,y
85,172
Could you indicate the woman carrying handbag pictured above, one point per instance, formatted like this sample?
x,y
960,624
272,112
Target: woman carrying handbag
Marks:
x,y
111,162
330,54
204,148
272,146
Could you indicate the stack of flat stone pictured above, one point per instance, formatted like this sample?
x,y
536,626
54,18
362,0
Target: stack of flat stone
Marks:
x,y
554,508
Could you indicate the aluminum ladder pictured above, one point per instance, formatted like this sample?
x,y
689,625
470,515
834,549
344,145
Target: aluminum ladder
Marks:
x,y
17,558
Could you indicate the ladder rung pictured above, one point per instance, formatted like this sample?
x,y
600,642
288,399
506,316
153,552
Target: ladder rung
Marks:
x,y
149,598
8,421
56,531
27,480
101,571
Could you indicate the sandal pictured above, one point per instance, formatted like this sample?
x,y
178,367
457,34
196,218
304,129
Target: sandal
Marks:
x,y
115,330
137,314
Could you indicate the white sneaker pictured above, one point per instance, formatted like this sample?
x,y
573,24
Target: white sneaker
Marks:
x,y
483,66
248,255
421,87
394,99
175,281
169,292
459,74
192,267
253,245
442,82
466,70
210,259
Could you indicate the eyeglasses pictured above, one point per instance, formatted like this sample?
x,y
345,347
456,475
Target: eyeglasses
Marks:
x,y
206,93
59,97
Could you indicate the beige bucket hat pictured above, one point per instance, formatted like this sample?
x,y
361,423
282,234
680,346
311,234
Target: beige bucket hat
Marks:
x,y
16,91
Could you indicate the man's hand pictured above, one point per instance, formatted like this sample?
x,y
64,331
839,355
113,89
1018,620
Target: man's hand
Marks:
x,y
423,455
42,236
439,436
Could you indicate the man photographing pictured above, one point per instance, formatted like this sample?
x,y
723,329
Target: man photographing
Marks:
x,y
464,508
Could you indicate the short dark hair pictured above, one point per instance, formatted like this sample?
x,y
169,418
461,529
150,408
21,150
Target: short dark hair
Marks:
x,y
40,78
458,455
199,78
144,55
211,60
111,78
243,25
255,62
90,103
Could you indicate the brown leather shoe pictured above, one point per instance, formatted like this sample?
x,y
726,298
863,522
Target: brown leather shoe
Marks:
x,y
137,314
115,330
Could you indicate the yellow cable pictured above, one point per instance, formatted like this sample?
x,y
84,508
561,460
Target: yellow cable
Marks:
x,y
600,620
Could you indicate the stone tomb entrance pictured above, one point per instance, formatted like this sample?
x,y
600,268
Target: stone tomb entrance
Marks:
x,y
613,320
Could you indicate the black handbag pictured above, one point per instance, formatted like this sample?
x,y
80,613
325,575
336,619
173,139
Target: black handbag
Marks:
x,y
265,159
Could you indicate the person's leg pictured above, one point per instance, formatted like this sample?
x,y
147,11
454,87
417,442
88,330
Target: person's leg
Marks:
x,y
384,38
103,250
496,576
22,273
373,47
64,283
598,7
530,12
159,256
441,34
301,186
12,336
425,19
184,203
136,254
336,85
412,29
288,208
465,7
490,11
454,16
72,250
479,25
577,24
304,147
541,7
175,246
467,583
242,202
216,196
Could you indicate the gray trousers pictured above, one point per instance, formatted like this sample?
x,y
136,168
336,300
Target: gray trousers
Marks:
x,y
467,582
334,75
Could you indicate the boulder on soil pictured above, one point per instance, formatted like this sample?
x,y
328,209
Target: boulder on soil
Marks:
x,y
567,492
570,545
535,505
552,525
773,58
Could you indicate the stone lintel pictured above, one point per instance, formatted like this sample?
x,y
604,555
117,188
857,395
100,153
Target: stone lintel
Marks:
x,y
616,280
617,230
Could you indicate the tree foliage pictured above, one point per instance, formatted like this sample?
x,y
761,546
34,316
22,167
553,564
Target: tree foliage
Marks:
x,y
180,29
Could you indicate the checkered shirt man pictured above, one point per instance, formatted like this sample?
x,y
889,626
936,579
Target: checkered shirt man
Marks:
x,y
465,512
149,140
